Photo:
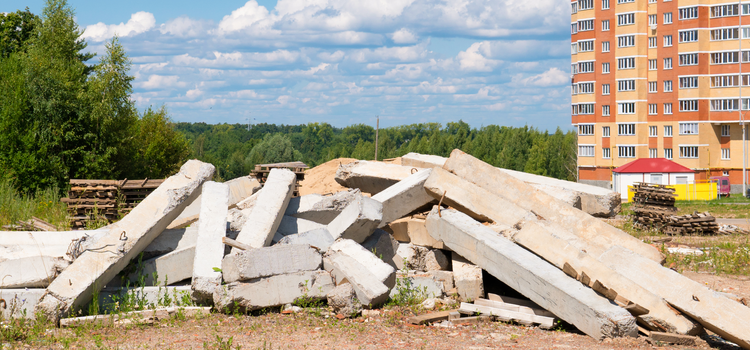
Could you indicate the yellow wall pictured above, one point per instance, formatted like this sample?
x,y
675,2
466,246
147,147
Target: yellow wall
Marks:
x,y
689,192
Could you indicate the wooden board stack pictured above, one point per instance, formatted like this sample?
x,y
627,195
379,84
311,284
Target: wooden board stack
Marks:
x,y
261,172
105,199
654,207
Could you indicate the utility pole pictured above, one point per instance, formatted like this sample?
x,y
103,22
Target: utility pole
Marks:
x,y
377,130
742,120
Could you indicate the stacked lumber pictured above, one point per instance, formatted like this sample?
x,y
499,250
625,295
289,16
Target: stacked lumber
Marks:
x,y
653,205
135,191
105,199
298,168
703,224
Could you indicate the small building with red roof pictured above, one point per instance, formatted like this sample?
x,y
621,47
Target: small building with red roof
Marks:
x,y
651,170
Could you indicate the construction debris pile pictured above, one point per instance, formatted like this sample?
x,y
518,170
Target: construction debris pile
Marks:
x,y
654,208
106,200
423,226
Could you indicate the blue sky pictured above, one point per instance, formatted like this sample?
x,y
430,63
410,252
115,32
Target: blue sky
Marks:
x,y
502,62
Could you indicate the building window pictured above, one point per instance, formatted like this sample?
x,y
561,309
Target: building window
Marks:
x,y
605,46
652,86
667,40
724,11
667,131
626,129
667,86
724,34
688,106
725,105
626,151
574,109
574,28
605,25
668,63
687,13
667,17
652,109
585,45
668,153
725,130
574,8
652,64
585,88
586,108
585,25
688,59
624,1
605,153
626,19
605,68
652,153
585,5
688,151
574,68
626,108
726,173
626,41
574,89
725,153
652,131
605,131
585,129
605,111
605,4
586,151
668,108
626,63
573,48
688,128
725,57
626,85
651,42
605,89
685,36
652,20
586,67
688,82
720,81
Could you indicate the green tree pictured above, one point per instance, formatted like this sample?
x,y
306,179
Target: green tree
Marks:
x,y
160,149
16,28
275,148
537,162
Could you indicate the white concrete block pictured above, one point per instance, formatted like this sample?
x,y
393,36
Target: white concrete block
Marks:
x,y
345,269
31,272
209,249
418,258
424,284
404,197
384,272
273,291
319,238
270,261
412,230
266,215
358,220
20,303
371,177
468,278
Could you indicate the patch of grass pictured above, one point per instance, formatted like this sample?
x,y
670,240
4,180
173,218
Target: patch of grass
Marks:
x,y
719,258
44,204
221,344
406,292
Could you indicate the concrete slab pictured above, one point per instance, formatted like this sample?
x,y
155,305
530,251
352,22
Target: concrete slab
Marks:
x,y
302,204
273,291
531,276
426,285
270,261
290,225
125,239
264,219
384,272
325,208
319,238
31,272
20,303
239,189
345,269
343,300
468,278
358,220
209,249
371,177
383,246
418,160
418,258
412,230
404,197
727,318
169,268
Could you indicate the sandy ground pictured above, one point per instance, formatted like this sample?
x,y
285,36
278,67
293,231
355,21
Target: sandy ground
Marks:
x,y
320,179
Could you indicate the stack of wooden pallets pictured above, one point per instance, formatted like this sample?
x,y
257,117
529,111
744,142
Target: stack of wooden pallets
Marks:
x,y
134,191
654,208
261,172
703,223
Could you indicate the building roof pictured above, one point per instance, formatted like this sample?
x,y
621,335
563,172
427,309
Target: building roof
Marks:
x,y
652,165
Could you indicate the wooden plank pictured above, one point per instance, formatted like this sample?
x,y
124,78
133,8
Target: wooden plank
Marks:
x,y
513,307
232,243
672,338
431,317
514,301
543,321
471,320
94,182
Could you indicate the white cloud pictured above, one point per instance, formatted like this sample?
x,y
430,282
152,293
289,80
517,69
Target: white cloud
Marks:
x,y
140,22
475,58
404,36
184,27
246,16
160,81
552,77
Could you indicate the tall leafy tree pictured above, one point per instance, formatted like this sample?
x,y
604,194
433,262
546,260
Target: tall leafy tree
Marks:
x,y
16,28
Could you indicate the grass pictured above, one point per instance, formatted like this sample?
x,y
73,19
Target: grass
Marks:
x,y
44,204
735,206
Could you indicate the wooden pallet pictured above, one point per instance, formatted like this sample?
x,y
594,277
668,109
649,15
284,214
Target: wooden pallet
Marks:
x,y
105,199
261,171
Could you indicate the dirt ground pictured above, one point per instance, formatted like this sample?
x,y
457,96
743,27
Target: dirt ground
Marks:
x,y
320,179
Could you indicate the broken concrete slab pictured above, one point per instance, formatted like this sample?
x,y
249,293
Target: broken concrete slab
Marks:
x,y
343,300
444,277
468,278
531,276
290,225
302,204
239,189
404,197
727,318
264,219
417,160
417,284
345,269
125,239
384,272
325,209
209,249
318,238
270,261
20,303
172,240
162,270
358,220
371,177
412,257
273,291
412,230
511,208
382,245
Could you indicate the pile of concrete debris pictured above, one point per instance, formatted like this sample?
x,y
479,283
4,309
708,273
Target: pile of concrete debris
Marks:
x,y
432,223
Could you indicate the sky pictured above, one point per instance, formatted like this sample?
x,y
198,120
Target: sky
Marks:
x,y
344,62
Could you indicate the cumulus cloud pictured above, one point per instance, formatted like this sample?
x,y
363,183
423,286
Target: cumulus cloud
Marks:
x,y
185,27
475,58
404,36
552,77
140,22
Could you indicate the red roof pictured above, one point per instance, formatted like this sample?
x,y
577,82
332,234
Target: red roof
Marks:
x,y
653,165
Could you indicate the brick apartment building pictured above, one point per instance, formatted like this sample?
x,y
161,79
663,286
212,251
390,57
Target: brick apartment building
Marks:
x,y
660,79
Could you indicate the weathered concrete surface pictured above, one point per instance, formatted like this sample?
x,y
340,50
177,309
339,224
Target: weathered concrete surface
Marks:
x,y
291,225
345,269
418,160
444,277
42,238
412,230
725,317
559,252
343,300
504,203
172,240
382,245
302,204
425,284
318,238
248,202
404,197
209,249
468,278
270,261
126,238
418,258
20,303
264,219
325,209
382,271
371,177
358,220
169,268
273,291
239,189
531,276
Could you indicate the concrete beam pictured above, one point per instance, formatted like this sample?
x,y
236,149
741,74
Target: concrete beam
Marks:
x,y
404,197
209,249
384,272
290,225
417,160
273,291
371,177
418,258
412,230
358,220
424,284
345,269
31,272
239,189
717,313
269,261
383,246
531,276
468,278
264,219
325,209
125,239
20,303
318,238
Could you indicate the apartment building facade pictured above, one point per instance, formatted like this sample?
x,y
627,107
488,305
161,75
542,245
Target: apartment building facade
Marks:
x,y
660,79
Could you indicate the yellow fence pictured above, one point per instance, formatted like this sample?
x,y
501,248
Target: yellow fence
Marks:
x,y
702,191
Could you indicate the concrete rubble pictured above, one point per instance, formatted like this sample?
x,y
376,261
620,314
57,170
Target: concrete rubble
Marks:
x,y
431,229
